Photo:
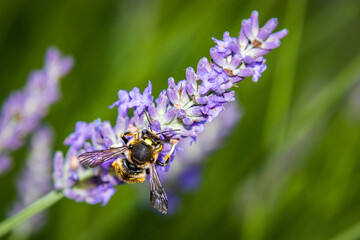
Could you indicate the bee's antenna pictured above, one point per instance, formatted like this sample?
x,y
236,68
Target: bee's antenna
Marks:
x,y
148,118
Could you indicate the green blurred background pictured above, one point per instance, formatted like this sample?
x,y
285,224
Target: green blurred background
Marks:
x,y
290,168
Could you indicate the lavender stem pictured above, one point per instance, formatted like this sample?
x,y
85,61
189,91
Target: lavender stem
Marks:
x,y
38,206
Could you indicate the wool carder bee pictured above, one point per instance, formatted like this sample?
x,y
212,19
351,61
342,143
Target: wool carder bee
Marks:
x,y
135,160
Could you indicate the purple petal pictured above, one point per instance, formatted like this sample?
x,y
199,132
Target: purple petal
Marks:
x,y
194,111
156,125
278,35
123,98
66,65
169,115
52,55
55,66
229,96
171,83
172,92
187,121
235,61
152,110
107,133
194,131
235,47
135,97
258,68
249,59
181,113
205,87
257,52
218,59
267,29
203,100
190,76
190,89
148,89
243,40
214,112
254,22
203,69
246,27
162,102
270,45
184,97
243,72
122,122
217,70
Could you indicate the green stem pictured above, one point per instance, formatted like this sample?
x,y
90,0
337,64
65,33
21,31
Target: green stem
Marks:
x,y
43,203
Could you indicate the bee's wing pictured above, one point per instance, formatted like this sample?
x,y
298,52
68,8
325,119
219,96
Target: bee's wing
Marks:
x,y
158,198
95,158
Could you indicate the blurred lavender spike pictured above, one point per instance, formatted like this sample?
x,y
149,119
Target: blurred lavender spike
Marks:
x,y
35,179
185,106
185,172
206,142
23,110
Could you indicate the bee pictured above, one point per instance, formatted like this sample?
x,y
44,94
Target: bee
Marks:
x,y
135,160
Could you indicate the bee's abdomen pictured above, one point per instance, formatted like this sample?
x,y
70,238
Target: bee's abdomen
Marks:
x,y
141,153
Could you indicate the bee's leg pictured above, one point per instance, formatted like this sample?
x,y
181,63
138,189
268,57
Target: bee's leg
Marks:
x,y
161,163
137,137
126,134
167,157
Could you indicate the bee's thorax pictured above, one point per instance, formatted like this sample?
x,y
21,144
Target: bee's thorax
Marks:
x,y
141,153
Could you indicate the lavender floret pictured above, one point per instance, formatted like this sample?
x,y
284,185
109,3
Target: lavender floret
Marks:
x,y
185,106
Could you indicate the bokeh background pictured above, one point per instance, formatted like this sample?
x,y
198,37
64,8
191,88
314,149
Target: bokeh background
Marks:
x,y
290,168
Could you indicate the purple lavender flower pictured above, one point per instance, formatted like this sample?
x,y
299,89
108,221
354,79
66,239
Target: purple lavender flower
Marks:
x,y
185,106
247,50
35,179
67,172
24,109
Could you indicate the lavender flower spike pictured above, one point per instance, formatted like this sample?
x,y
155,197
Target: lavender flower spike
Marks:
x,y
24,109
35,179
185,106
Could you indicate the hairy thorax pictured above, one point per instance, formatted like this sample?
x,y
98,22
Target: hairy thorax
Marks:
x,y
141,153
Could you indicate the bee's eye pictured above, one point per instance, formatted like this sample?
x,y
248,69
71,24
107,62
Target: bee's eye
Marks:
x,y
144,132
130,146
